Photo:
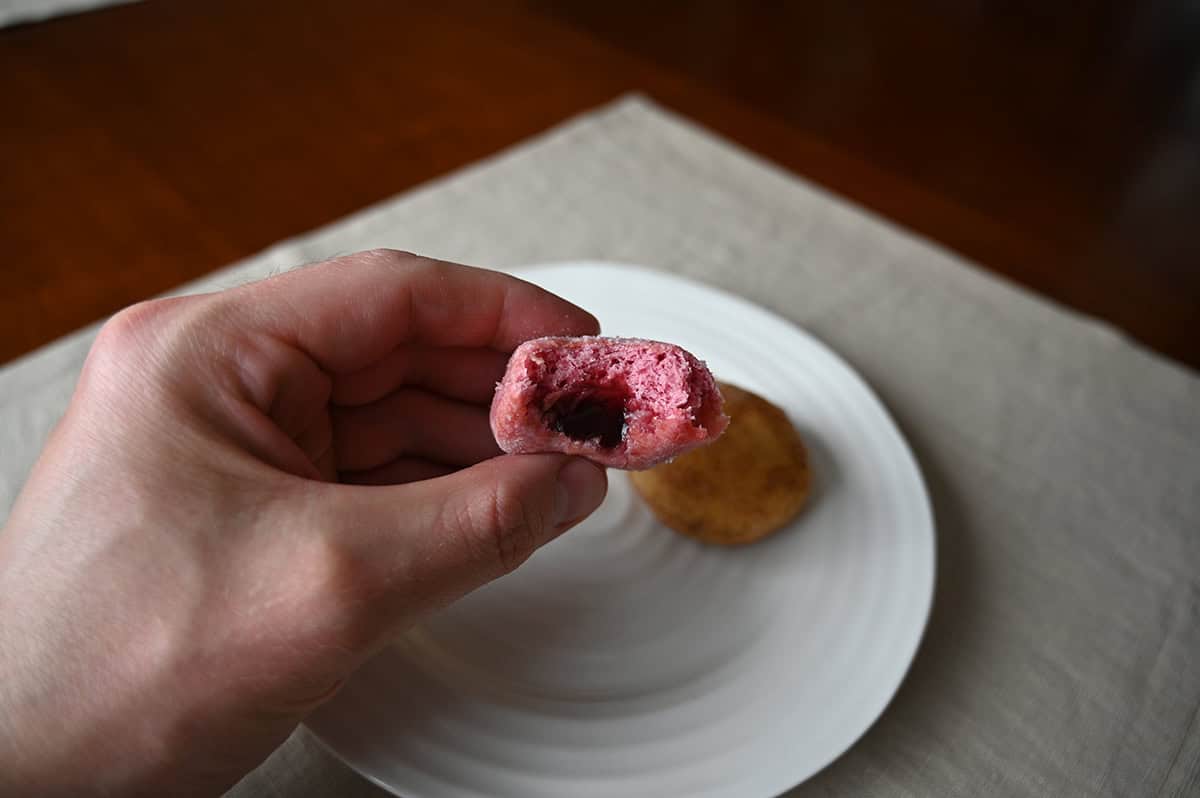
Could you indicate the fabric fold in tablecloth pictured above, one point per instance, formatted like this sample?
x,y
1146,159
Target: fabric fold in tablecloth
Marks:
x,y
1063,653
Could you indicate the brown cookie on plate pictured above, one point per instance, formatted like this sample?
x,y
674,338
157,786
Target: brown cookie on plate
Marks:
x,y
748,483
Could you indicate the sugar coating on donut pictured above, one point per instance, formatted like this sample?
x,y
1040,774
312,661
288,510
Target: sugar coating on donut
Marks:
x,y
621,402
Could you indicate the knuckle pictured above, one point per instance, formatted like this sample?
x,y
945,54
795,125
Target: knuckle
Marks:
x,y
129,328
508,527
124,347
142,342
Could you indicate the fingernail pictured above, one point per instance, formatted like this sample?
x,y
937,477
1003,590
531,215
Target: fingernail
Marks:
x,y
581,488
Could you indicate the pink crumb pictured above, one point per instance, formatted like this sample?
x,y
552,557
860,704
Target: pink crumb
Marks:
x,y
621,402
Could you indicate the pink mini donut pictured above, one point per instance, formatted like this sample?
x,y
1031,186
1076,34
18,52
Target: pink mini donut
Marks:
x,y
620,402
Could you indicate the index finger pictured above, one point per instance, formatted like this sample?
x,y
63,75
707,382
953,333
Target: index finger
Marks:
x,y
349,312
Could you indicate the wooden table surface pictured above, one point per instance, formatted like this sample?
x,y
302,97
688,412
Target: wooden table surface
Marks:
x,y
1057,143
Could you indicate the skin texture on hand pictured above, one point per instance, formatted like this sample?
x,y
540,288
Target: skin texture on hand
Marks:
x,y
251,492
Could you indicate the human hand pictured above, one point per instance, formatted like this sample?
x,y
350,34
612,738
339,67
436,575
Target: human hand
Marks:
x,y
183,577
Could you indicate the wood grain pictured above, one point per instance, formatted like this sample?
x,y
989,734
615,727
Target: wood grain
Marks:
x,y
1055,143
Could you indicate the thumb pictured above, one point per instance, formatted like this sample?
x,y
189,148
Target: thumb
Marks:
x,y
425,544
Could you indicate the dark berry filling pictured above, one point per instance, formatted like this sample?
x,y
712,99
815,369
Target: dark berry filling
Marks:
x,y
589,416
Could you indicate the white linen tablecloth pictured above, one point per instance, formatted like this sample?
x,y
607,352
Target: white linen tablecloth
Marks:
x,y
16,12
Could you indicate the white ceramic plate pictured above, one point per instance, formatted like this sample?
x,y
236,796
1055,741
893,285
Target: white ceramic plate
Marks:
x,y
624,659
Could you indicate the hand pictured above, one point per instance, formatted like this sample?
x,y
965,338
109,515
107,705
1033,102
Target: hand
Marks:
x,y
250,493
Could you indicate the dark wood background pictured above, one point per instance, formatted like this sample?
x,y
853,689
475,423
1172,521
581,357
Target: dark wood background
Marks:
x,y
1054,142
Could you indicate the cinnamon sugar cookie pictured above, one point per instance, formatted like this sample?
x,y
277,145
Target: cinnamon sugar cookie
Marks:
x,y
750,482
